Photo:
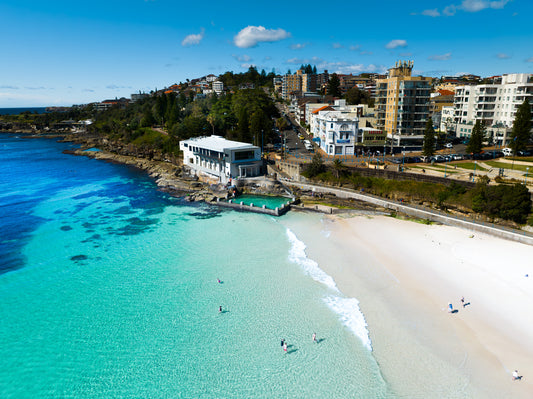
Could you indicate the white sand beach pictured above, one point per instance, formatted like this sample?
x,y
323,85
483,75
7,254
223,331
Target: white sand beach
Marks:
x,y
405,273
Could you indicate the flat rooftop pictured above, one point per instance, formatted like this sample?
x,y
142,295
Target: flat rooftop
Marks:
x,y
218,143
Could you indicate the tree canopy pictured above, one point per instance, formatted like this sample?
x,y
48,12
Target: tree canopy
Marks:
x,y
334,85
428,149
521,132
475,144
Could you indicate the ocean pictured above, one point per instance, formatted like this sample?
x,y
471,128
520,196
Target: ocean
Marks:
x,y
16,111
109,289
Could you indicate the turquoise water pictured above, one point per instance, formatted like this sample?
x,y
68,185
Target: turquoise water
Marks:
x,y
112,292
270,202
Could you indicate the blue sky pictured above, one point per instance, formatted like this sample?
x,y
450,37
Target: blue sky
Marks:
x,y
74,52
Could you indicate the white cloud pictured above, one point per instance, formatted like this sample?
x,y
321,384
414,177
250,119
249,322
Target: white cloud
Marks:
x,y
503,56
449,10
338,67
9,87
396,43
478,5
440,57
431,13
247,66
252,35
298,46
242,58
405,54
366,53
355,47
468,6
192,39
300,61
529,59
337,45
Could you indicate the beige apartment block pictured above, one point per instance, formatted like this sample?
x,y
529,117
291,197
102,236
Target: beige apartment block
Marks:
x,y
402,104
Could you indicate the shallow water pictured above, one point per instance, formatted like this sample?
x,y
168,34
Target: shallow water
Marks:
x,y
109,289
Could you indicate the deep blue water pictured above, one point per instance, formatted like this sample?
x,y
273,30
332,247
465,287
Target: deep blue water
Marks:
x,y
16,111
30,175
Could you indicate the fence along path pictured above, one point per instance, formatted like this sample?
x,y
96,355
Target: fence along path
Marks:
x,y
423,213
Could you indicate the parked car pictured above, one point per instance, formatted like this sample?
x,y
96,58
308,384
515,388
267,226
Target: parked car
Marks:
x,y
448,145
524,153
301,136
507,152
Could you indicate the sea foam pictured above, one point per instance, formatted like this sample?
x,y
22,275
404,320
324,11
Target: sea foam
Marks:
x,y
310,267
351,316
347,308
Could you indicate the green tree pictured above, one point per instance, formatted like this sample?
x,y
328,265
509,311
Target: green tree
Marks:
x,y
355,96
338,167
316,166
281,123
521,127
428,149
475,144
334,85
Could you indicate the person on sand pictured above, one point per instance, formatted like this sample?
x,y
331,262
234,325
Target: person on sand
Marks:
x,y
218,280
282,342
463,301
450,308
515,375
220,309
285,346
314,338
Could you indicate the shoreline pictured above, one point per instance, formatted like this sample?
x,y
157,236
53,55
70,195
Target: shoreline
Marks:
x,y
404,274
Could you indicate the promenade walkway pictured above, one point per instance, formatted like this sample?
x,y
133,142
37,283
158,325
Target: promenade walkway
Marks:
x,y
421,212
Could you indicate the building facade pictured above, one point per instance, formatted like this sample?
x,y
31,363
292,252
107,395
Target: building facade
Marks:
x,y
402,104
337,131
495,104
218,160
218,87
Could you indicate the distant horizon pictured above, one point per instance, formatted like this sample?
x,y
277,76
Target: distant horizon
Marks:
x,y
72,53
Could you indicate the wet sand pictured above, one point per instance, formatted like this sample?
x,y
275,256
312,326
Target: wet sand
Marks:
x,y
405,273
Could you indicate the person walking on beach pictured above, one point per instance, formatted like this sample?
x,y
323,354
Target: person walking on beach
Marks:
x,y
515,375
463,301
314,338
450,308
282,342
285,346
220,309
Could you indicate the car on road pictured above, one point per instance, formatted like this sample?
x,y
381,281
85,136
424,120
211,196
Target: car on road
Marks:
x,y
448,145
301,136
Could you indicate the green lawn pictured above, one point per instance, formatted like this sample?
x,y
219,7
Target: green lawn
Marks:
x,y
469,166
506,165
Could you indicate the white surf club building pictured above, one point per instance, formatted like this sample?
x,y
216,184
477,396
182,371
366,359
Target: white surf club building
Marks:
x,y
218,160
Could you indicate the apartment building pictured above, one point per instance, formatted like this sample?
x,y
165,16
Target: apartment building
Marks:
x,y
218,87
292,84
495,104
402,104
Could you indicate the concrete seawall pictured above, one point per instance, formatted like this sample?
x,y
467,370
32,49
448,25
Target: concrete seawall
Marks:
x,y
250,208
509,234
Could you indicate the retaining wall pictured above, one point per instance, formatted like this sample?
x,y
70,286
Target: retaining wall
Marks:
x,y
422,213
250,208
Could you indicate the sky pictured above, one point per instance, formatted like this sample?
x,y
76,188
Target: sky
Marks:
x,y
60,53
